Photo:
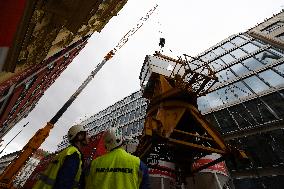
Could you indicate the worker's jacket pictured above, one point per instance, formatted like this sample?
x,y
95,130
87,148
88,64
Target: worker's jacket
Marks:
x,y
117,169
48,177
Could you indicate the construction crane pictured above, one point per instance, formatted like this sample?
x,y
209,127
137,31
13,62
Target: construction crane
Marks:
x,y
174,127
6,178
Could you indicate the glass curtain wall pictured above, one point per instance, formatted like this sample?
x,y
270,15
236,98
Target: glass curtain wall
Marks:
x,y
247,70
127,114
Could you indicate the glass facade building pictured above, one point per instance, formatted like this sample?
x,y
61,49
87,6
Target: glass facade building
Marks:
x,y
127,114
246,105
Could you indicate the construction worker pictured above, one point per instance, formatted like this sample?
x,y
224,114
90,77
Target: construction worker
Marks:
x,y
117,169
64,172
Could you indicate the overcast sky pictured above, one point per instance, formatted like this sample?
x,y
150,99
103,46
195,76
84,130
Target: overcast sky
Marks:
x,y
189,27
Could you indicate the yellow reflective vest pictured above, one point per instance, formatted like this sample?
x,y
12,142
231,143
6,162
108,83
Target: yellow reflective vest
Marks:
x,y
117,169
48,177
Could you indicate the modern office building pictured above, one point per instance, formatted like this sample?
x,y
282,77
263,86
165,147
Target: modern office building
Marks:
x,y
246,105
127,113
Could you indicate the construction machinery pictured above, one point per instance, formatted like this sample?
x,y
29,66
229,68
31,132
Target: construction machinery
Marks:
x,y
174,129
6,178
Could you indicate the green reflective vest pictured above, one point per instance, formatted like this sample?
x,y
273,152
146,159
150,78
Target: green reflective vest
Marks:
x,y
48,177
117,169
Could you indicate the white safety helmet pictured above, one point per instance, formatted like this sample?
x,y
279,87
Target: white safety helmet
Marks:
x,y
113,138
74,130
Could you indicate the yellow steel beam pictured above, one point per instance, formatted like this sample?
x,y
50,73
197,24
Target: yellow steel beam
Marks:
x,y
198,117
197,146
191,134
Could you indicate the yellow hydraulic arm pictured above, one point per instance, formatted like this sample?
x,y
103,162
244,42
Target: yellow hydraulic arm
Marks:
x,y
6,178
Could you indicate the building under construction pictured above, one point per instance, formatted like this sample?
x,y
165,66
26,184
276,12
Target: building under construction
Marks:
x,y
245,105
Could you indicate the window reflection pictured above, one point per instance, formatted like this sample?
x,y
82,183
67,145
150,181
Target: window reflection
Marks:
x,y
239,69
227,58
225,121
209,56
219,51
213,99
256,84
228,46
216,64
238,40
240,89
267,57
227,94
225,75
194,64
250,48
259,44
238,53
242,116
276,52
203,103
272,78
280,68
252,64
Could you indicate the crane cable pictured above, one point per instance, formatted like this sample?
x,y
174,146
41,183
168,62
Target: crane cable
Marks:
x,y
109,55
6,178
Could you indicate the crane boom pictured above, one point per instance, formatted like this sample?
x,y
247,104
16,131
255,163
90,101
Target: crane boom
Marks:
x,y
6,178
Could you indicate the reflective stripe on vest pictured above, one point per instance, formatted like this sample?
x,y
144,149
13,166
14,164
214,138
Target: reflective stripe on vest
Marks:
x,y
48,178
117,169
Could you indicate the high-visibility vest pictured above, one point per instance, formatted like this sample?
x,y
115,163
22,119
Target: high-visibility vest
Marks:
x,y
117,169
48,177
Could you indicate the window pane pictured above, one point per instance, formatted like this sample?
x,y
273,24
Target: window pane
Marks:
x,y
280,68
256,84
267,57
276,102
273,51
227,94
252,64
216,64
242,116
219,51
238,40
238,53
245,37
213,99
209,56
272,78
203,103
239,69
259,44
225,121
250,48
228,46
259,110
227,58
240,90
225,75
